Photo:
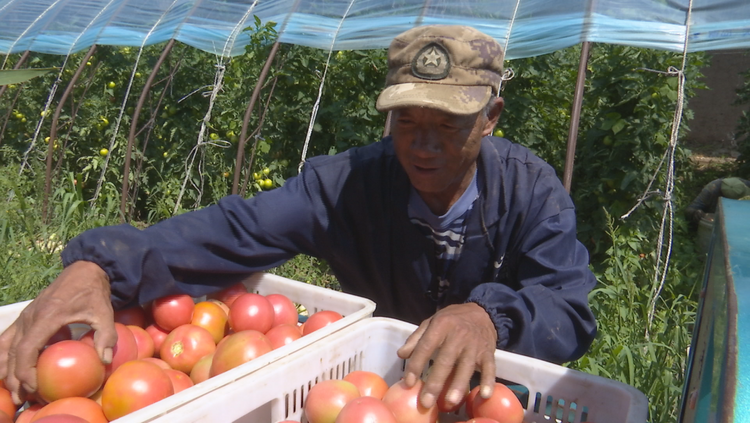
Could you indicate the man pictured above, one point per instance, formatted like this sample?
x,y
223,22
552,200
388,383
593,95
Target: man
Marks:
x,y
708,199
439,223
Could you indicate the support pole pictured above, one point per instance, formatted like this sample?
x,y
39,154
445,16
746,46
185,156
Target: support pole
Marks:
x,y
248,113
53,133
134,125
575,116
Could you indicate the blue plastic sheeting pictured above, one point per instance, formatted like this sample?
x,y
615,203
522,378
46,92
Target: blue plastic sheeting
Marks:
x,y
528,27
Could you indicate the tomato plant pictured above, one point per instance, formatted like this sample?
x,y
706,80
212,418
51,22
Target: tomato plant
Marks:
x,y
69,369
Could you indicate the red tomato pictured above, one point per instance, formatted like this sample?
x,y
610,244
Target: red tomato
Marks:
x,y
172,311
185,345
229,294
284,310
134,385
251,312
369,384
27,414
201,369
443,407
326,399
470,401
158,361
6,403
365,410
5,418
64,333
143,341
238,348
320,320
125,349
85,408
283,334
404,402
158,335
502,406
180,381
135,316
212,317
69,369
61,418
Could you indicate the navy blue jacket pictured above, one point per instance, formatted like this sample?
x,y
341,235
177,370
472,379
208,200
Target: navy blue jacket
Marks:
x,y
521,260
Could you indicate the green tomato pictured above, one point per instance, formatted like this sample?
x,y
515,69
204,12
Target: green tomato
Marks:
x,y
498,133
214,136
103,152
266,171
111,84
256,176
267,184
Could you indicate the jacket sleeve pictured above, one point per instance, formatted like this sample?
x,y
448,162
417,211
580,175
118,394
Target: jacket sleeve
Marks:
x,y
201,251
543,311
705,202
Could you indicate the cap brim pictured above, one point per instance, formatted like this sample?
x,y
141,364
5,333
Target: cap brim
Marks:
x,y
454,99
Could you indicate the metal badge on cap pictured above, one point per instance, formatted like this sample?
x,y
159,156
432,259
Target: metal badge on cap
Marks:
x,y
431,62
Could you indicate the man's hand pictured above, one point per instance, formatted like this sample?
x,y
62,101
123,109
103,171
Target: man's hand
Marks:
x,y
80,294
465,339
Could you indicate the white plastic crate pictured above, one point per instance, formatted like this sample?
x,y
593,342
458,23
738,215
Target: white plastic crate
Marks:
x,y
313,298
277,392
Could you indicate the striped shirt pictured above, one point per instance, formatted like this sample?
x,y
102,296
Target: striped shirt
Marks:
x,y
446,231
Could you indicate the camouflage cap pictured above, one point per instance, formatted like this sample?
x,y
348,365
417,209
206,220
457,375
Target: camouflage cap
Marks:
x,y
455,69
734,188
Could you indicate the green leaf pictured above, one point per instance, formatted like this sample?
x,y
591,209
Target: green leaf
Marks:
x,y
619,125
16,76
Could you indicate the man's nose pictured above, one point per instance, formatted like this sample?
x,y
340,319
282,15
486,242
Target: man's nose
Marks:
x,y
426,141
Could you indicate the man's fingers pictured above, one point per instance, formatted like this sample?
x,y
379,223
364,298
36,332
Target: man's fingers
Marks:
x,y
487,379
416,363
6,340
105,338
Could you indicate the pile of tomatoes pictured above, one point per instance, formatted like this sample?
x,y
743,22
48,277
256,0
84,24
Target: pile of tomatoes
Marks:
x,y
162,348
365,397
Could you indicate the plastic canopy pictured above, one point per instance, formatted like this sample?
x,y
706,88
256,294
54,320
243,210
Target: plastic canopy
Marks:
x,y
527,27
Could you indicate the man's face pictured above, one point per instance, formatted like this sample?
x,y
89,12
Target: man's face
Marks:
x,y
439,151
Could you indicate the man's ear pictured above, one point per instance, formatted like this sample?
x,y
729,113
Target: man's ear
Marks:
x,y
494,115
